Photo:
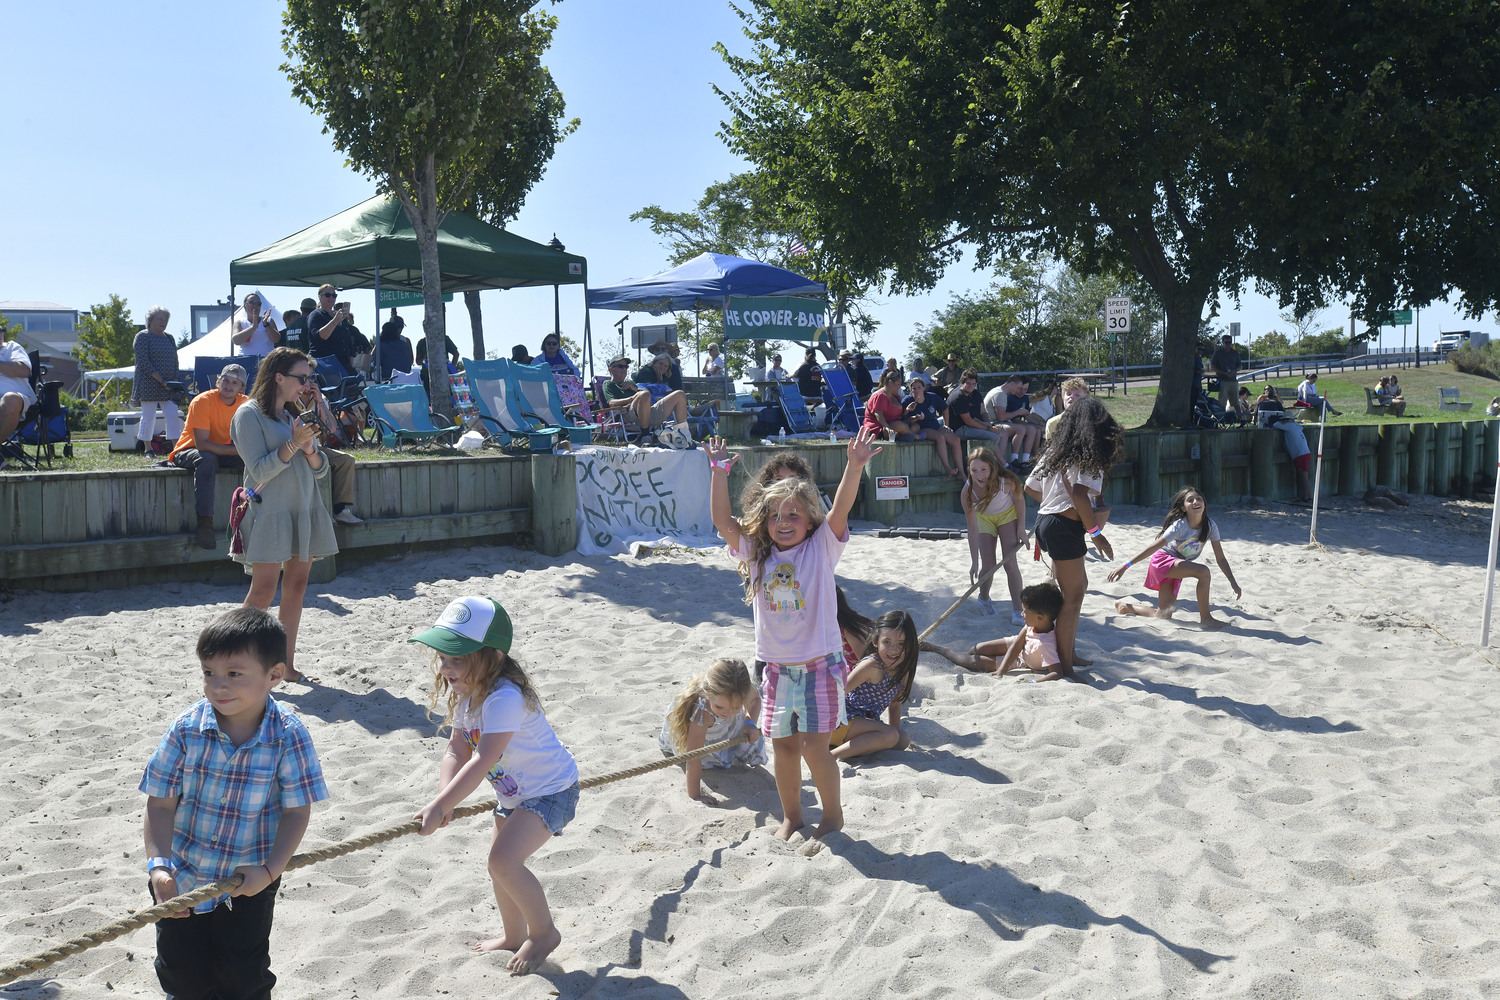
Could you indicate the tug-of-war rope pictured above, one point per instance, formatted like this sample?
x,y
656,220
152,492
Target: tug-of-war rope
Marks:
x,y
177,904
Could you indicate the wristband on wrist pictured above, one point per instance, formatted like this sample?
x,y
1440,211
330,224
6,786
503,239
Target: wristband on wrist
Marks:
x,y
154,863
1128,564
1096,530
721,464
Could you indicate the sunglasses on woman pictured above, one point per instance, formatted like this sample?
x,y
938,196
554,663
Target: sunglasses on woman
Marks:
x,y
304,379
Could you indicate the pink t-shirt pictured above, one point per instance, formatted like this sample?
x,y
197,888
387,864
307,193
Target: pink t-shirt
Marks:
x,y
796,609
1040,649
884,405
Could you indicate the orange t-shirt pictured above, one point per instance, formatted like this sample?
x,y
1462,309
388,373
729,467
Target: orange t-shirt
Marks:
x,y
208,412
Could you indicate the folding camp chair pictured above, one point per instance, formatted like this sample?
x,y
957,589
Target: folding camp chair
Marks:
x,y
703,423
540,400
612,423
794,406
493,396
401,413
42,426
848,410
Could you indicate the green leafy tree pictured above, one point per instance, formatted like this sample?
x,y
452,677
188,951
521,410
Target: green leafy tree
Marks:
x,y
1202,146
1272,345
417,94
1332,340
106,336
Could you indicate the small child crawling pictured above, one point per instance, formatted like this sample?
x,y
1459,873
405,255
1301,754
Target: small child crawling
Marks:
x,y
1034,648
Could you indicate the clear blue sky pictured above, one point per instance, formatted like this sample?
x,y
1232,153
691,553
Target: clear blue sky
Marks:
x,y
152,143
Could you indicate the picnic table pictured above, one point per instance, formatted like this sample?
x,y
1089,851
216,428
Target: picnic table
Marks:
x,y
1095,380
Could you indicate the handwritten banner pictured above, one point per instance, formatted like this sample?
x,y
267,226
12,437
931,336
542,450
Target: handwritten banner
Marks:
x,y
648,495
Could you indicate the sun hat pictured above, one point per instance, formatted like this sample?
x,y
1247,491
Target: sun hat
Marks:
x,y
468,625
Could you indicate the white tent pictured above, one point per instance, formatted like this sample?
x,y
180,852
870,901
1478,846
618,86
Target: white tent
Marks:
x,y
214,344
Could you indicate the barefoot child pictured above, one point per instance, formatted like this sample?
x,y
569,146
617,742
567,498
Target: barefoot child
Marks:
x,y
880,683
787,549
713,707
994,505
230,789
498,732
1034,648
1174,557
1071,471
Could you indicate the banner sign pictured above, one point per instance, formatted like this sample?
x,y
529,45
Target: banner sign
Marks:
x,y
642,495
775,317
892,488
396,297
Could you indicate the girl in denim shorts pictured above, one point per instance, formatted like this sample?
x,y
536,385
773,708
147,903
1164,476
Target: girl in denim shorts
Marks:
x,y
498,732
787,549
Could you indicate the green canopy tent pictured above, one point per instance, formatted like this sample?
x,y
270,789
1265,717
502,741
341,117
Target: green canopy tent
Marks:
x,y
372,245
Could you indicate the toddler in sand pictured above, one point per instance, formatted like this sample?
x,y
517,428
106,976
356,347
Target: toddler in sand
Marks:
x,y
230,790
879,683
1174,557
1034,648
787,549
498,731
714,706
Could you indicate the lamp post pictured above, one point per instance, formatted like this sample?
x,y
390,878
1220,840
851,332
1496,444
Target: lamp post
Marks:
x,y
556,244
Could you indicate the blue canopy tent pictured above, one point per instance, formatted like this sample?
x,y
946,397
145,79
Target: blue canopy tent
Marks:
x,y
705,282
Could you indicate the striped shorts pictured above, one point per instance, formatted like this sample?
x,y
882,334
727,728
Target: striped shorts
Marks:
x,y
803,697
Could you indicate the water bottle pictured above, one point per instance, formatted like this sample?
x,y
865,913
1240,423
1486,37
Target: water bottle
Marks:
x,y
781,436
833,435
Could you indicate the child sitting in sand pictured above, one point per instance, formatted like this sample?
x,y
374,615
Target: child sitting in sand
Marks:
x,y
1174,557
856,630
880,683
230,791
787,548
713,707
498,731
1033,648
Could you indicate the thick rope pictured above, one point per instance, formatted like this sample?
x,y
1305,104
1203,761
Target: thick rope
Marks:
x,y
176,904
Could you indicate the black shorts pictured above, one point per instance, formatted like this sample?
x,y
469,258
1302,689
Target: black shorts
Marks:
x,y
1062,538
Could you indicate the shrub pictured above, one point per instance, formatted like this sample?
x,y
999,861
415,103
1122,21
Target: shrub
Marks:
x,y
82,416
1483,361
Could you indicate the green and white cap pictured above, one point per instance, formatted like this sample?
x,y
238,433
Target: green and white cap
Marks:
x,y
467,626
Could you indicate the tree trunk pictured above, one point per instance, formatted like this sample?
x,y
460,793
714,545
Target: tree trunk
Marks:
x,y
425,225
1174,394
476,323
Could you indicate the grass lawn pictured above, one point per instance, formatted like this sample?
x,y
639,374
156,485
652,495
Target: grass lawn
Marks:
x,y
1347,391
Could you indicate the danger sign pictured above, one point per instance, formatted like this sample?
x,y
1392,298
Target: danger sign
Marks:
x,y
892,487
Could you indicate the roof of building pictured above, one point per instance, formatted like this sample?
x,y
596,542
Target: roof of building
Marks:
x,y
21,305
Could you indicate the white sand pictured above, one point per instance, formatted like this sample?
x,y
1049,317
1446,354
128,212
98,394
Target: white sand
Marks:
x,y
1302,806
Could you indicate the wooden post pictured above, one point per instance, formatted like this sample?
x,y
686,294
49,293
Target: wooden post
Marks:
x,y
1485,481
1148,469
1418,463
1348,481
1211,466
1263,463
891,461
1468,462
554,504
1442,463
1385,455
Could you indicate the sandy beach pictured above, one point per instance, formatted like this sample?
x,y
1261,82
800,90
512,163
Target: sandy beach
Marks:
x,y
1300,805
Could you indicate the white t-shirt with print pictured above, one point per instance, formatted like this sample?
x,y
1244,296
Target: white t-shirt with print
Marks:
x,y
260,339
796,608
1181,539
535,762
14,353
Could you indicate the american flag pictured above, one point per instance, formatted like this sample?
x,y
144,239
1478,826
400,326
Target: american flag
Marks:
x,y
797,249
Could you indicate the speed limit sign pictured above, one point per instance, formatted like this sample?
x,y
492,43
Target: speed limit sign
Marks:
x,y
1117,315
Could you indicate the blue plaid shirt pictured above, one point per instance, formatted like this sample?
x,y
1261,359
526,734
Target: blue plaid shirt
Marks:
x,y
232,796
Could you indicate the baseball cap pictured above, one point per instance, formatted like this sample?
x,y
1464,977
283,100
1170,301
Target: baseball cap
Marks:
x,y
468,625
233,371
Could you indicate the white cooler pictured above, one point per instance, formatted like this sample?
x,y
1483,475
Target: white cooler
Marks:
x,y
122,429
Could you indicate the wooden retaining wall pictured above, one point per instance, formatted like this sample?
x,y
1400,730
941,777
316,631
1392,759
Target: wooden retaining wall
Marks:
x,y
96,530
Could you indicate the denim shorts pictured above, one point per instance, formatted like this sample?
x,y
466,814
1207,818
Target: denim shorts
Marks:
x,y
556,810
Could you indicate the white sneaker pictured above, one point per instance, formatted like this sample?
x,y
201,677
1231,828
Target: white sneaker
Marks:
x,y
986,606
347,516
1016,618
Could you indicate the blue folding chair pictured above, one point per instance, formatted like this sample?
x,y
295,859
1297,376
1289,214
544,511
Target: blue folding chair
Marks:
x,y
401,412
794,407
206,370
848,410
540,399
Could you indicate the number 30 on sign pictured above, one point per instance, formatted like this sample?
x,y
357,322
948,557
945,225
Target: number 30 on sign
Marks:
x,y
1117,315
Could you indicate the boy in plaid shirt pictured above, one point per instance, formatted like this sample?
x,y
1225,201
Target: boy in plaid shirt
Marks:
x,y
230,790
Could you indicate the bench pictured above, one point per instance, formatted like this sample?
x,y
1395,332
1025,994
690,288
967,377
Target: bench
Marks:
x,y
1448,400
1374,404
